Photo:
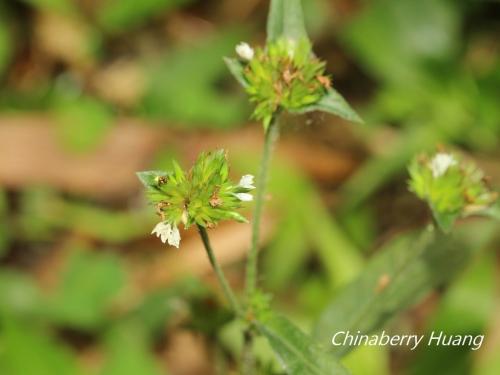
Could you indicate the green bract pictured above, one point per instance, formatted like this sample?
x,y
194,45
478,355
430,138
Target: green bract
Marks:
x,y
452,187
285,75
204,195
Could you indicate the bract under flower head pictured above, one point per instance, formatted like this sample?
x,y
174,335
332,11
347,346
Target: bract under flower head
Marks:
x,y
204,195
452,187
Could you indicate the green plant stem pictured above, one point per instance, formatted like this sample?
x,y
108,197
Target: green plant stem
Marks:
x,y
218,271
248,362
271,136
247,359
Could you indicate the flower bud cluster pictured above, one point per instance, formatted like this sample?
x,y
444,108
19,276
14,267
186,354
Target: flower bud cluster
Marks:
x,y
452,187
204,195
284,75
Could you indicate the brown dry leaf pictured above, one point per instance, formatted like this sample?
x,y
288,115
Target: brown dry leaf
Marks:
x,y
187,354
64,38
30,154
185,28
320,162
238,11
122,83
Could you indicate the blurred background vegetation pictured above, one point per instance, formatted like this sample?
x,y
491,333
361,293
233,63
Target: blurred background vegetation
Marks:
x,y
92,91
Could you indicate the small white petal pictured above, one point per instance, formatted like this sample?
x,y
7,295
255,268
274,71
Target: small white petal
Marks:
x,y
167,233
244,197
245,51
175,237
159,228
246,181
440,164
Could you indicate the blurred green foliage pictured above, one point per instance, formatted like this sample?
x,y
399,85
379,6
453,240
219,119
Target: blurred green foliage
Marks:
x,y
82,123
5,45
427,85
182,86
4,228
121,15
86,299
82,301
128,351
467,309
424,72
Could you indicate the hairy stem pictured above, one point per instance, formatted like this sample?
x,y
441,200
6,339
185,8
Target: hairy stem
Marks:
x,y
247,360
218,271
271,136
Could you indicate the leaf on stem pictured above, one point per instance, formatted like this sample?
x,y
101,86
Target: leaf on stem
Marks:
x,y
335,104
236,69
296,351
285,20
398,278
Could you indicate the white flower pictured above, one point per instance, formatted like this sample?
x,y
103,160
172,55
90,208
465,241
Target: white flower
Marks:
x,y
167,233
244,197
246,182
245,51
440,164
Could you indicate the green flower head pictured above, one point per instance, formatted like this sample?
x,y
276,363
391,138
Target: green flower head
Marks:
x,y
203,196
452,187
286,75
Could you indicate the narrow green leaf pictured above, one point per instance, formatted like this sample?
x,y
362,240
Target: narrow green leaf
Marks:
x,y
148,178
275,20
286,20
335,104
238,217
236,70
178,172
399,277
296,351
